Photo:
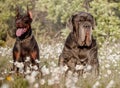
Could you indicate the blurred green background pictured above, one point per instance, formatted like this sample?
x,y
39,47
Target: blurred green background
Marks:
x,y
50,17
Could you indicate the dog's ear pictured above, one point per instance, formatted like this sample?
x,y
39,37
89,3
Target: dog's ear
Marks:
x,y
70,23
17,12
29,13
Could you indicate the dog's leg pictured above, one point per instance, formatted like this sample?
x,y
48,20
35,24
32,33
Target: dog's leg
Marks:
x,y
96,67
25,63
34,57
16,57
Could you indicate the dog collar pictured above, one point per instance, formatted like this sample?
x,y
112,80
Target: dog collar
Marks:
x,y
26,39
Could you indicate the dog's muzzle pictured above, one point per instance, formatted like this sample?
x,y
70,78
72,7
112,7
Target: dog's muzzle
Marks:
x,y
85,32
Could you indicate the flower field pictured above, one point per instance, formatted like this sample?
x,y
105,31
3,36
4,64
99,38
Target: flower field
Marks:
x,y
54,76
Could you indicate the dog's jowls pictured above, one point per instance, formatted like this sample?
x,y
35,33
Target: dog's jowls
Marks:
x,y
80,46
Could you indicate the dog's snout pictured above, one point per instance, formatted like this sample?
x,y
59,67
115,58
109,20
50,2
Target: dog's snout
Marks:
x,y
86,26
19,23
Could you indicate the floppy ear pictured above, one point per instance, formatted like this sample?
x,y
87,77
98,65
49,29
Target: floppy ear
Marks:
x,y
70,23
29,13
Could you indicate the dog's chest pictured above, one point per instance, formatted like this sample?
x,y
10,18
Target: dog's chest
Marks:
x,y
83,54
78,56
26,47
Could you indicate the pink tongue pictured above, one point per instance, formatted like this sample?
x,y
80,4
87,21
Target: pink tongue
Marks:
x,y
20,31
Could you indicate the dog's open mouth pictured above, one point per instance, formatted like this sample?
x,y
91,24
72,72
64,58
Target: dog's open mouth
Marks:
x,y
20,31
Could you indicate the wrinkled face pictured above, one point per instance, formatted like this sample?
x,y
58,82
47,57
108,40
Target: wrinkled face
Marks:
x,y
22,23
82,25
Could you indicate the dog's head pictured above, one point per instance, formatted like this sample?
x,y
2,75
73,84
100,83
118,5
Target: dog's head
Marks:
x,y
81,25
23,22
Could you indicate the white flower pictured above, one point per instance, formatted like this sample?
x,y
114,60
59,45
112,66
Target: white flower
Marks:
x,y
37,61
36,85
99,77
19,64
63,69
3,54
75,74
79,67
105,75
75,79
50,82
46,56
21,70
89,67
34,73
11,61
102,67
11,72
45,70
109,72
96,85
27,59
28,71
56,79
35,67
5,86
110,84
53,64
1,78
68,83
71,82
30,79
70,73
42,81
4,72
85,75
107,65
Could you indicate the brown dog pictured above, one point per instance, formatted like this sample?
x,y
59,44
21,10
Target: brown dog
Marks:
x,y
25,44
80,47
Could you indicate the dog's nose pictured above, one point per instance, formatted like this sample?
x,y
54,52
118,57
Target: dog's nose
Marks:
x,y
86,26
19,25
